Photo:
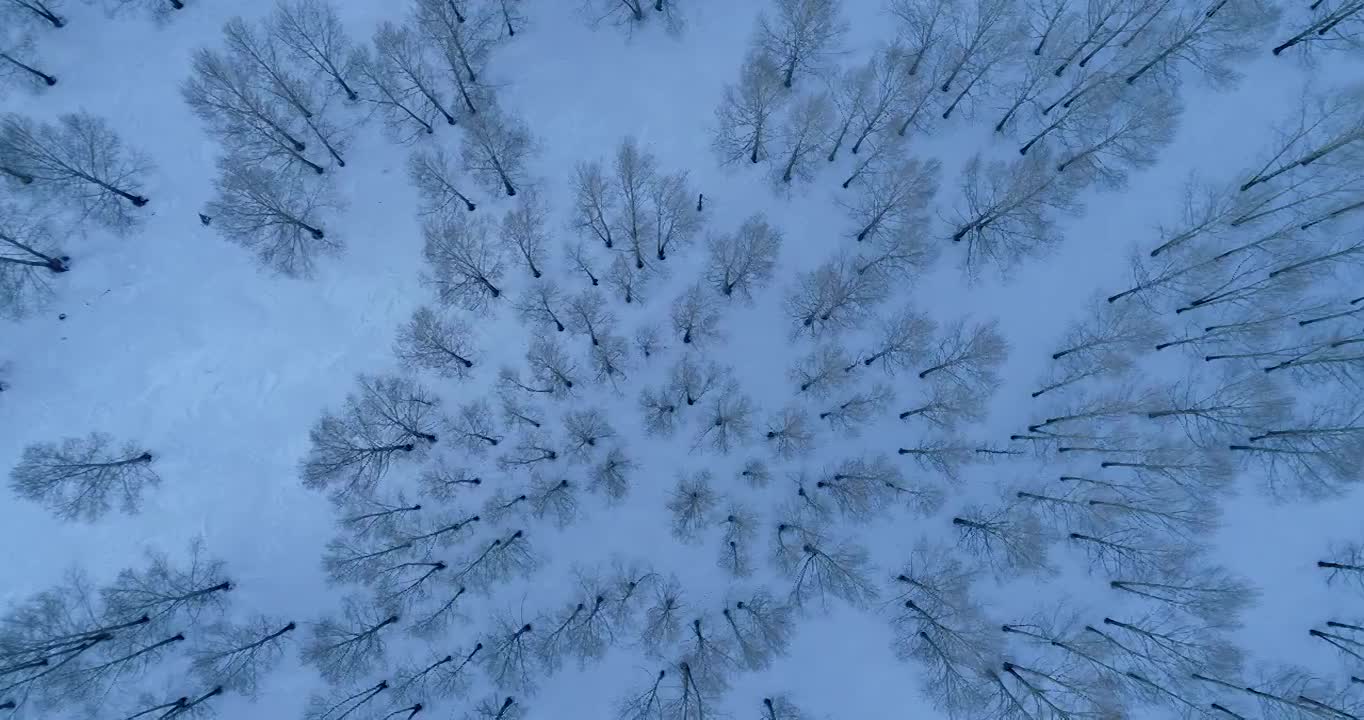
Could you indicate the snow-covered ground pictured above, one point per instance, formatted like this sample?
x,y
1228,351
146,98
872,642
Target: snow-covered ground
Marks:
x,y
176,339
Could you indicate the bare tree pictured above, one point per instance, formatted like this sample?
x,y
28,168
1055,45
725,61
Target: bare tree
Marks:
x,y
898,254
983,30
556,499
523,231
443,675
1126,138
596,202
17,58
586,429
474,428
692,380
82,477
801,36
824,569
735,554
495,149
1208,40
728,420
407,115
788,432
636,172
690,503
431,342
850,412
762,628
630,283
709,656
262,56
443,482
28,260
437,181
1345,563
940,455
343,648
543,306
342,704
1312,456
744,261
496,707
800,140
351,451
586,314
833,297
674,222
273,215
466,263
550,365
224,94
946,405
236,655
938,624
52,632
611,476
662,626
891,203
44,10
746,115
1006,208
1207,592
1234,407
821,371
1006,536
368,517
509,654
461,41
696,315
968,355
80,160
580,259
312,33
902,340
1330,26
168,594
401,70
532,449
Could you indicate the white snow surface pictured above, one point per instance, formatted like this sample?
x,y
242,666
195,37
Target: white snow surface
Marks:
x,y
177,339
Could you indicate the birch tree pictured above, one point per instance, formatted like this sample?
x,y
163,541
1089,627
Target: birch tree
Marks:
x,y
465,263
349,646
265,61
274,215
431,342
833,297
388,418
438,182
495,149
801,36
79,160
256,126
312,33
1006,209
523,231
743,262
745,119
28,260
1208,37
237,655
892,202
82,478
800,140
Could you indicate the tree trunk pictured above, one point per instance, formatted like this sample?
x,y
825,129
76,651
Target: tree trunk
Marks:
x,y
48,79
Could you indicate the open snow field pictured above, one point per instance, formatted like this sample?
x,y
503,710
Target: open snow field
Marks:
x,y
178,341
